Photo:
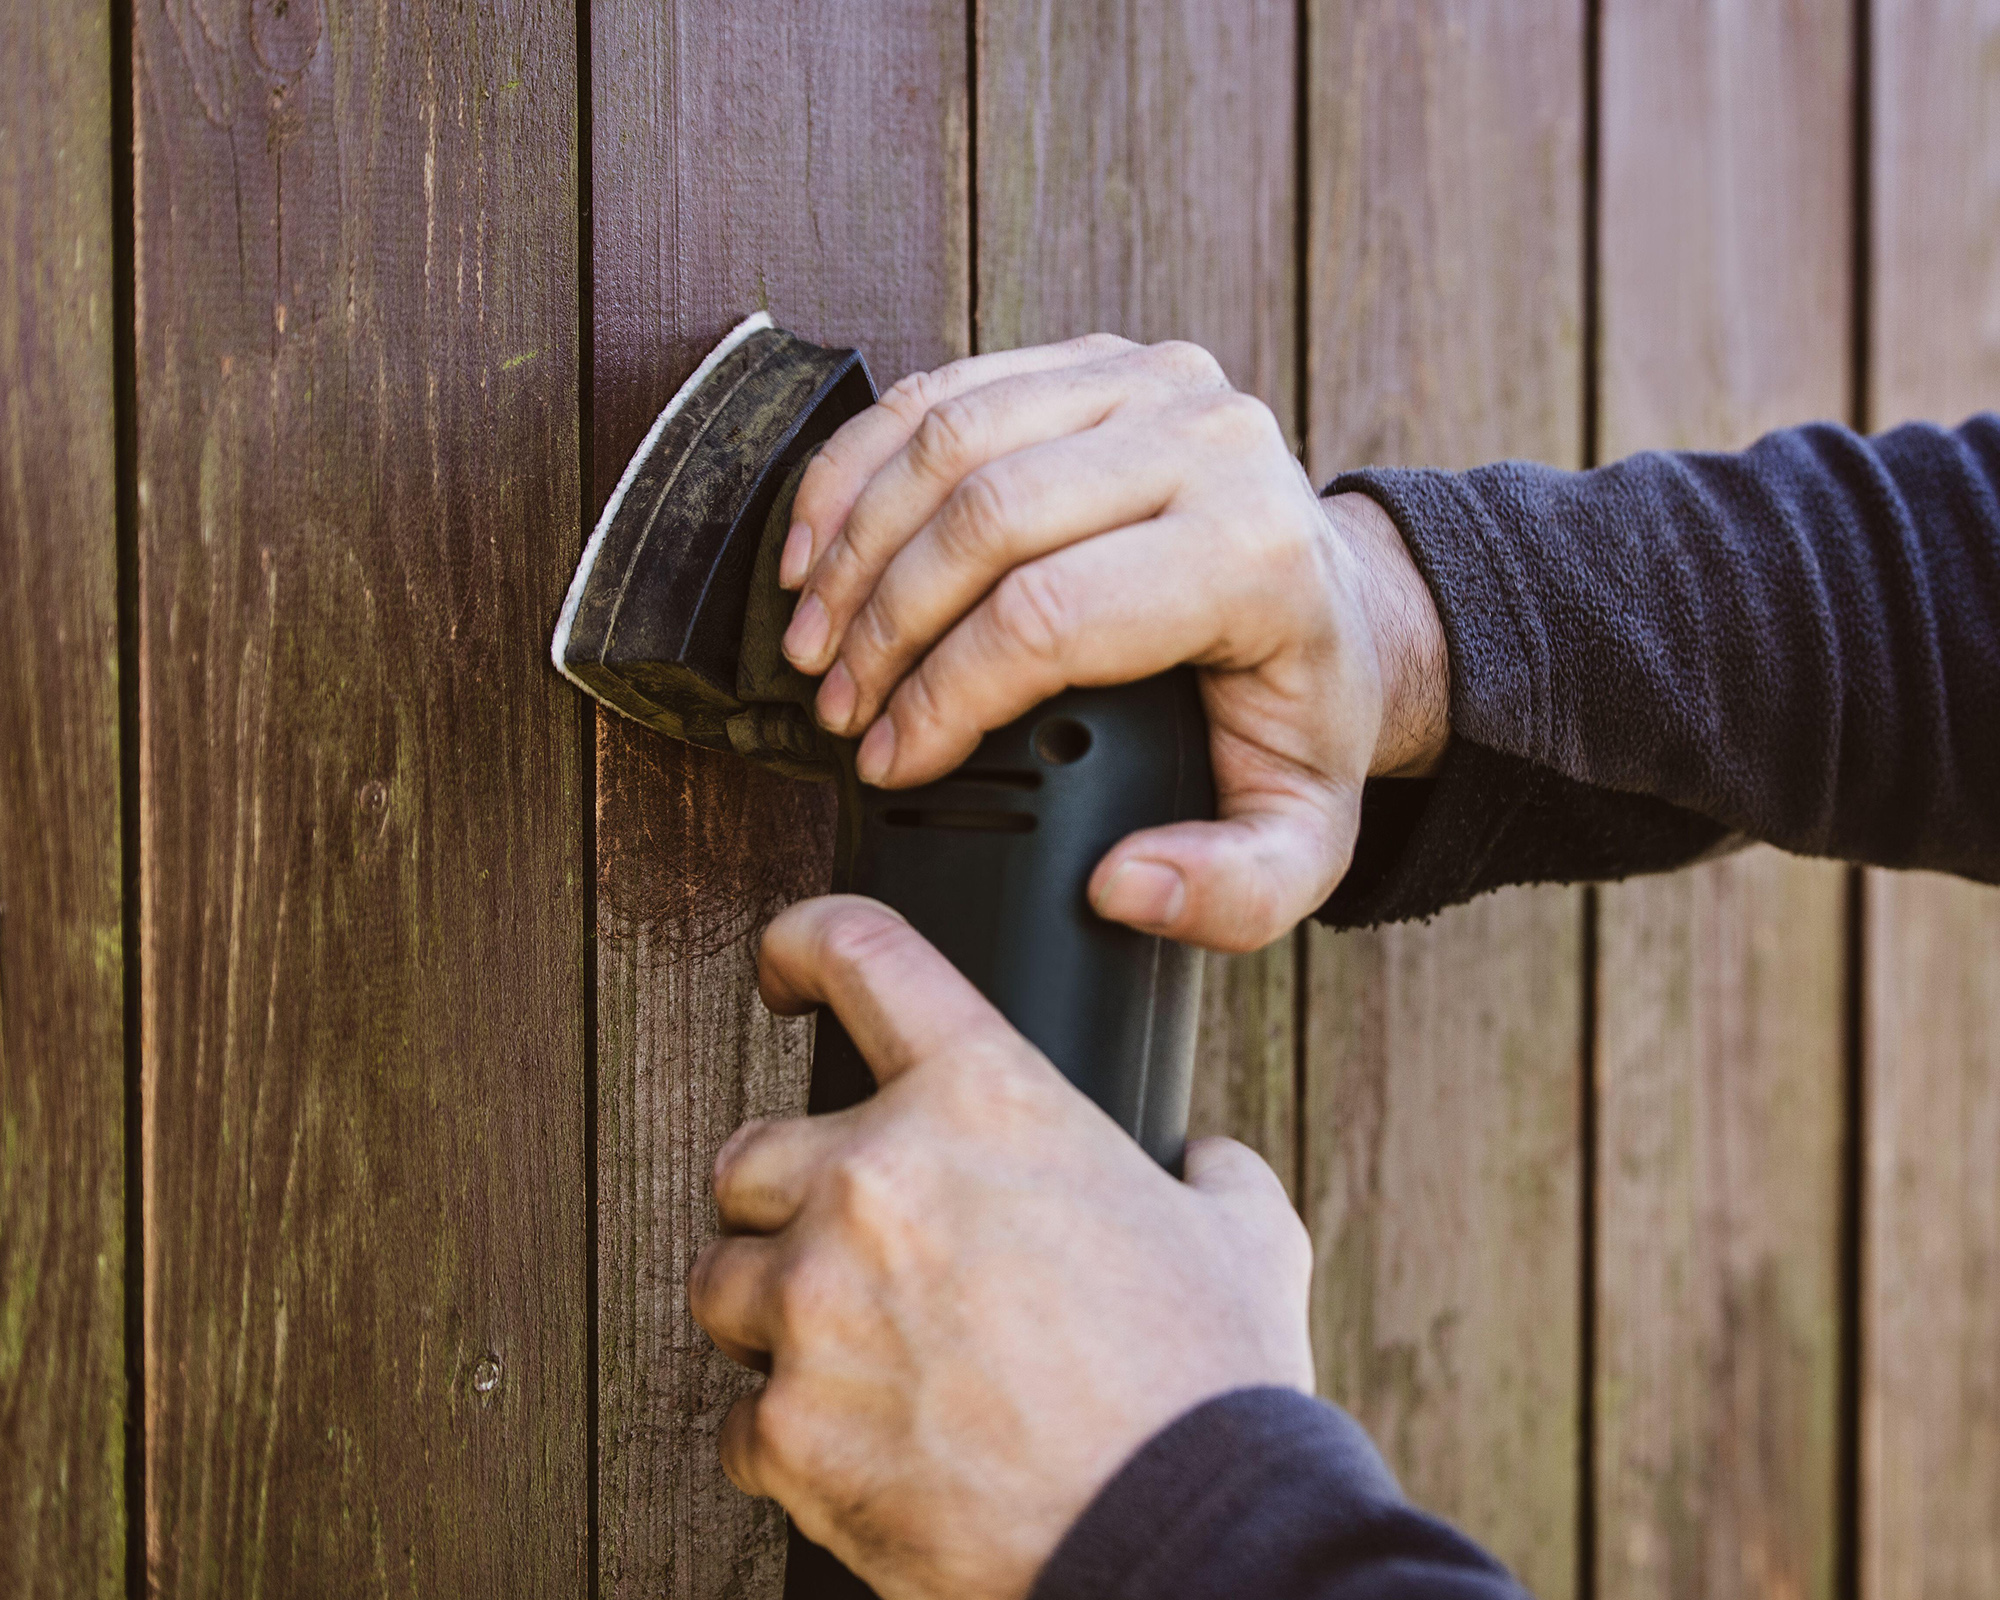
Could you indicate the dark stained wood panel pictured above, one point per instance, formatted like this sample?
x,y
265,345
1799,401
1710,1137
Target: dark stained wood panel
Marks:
x,y
1725,251
62,1226
1137,176
1930,1466
361,815
812,159
1440,1119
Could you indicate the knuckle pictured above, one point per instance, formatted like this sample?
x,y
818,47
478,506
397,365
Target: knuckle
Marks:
x,y
1190,362
782,1431
806,1296
1033,612
946,437
857,937
1102,344
867,1188
975,516
1238,420
873,635
730,1156
912,395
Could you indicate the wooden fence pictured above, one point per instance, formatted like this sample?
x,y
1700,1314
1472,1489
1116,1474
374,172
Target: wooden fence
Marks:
x,y
370,1010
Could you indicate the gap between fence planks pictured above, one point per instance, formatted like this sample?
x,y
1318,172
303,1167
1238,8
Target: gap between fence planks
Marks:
x,y
1136,176
1725,230
811,159
62,1065
361,811
1443,1061
1930,1372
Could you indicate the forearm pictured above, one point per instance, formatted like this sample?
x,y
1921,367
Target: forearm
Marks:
x,y
1793,644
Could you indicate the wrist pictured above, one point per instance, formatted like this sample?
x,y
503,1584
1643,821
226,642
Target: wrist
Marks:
x,y
1409,640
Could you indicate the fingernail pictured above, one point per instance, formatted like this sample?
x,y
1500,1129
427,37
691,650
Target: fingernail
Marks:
x,y
1145,894
797,552
835,703
878,751
806,637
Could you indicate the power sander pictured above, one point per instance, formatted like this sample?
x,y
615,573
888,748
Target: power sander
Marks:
x,y
674,619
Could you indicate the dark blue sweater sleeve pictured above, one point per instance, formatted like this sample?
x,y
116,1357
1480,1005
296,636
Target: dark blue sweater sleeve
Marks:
x,y
1270,1493
1798,644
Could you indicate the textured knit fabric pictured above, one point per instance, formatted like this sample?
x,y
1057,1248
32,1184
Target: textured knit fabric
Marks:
x,y
1265,1493
1799,644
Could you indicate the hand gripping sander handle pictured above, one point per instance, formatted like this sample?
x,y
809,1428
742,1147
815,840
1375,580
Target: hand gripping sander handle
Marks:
x,y
674,618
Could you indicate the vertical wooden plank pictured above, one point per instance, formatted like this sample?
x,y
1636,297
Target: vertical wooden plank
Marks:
x,y
1931,1351
1137,176
1441,1107
1725,299
361,830
1930,1478
62,1230
812,159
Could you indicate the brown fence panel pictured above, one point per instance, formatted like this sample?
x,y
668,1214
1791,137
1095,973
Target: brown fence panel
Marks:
x,y
1136,176
810,158
62,1225
361,820
1725,296
1441,1110
1931,1245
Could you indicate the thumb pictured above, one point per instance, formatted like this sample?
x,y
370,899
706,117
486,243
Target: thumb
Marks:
x,y
1235,884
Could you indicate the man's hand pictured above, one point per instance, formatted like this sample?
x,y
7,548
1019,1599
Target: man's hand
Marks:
x,y
975,1296
1096,512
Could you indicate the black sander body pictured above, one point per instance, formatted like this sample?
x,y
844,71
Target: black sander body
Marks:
x,y
674,618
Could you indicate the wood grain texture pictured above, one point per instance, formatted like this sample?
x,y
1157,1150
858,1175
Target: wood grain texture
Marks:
x,y
1440,1125
1931,1347
361,815
1246,1055
1724,291
810,158
1137,176
1441,1111
1931,1206
62,1226
1721,1127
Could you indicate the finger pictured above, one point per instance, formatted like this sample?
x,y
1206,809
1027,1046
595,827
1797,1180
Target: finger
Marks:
x,y
859,446
744,1461
733,1295
1112,609
1236,883
958,435
763,1171
900,1000
1011,511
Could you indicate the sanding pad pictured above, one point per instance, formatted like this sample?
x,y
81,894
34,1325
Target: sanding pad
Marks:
x,y
674,615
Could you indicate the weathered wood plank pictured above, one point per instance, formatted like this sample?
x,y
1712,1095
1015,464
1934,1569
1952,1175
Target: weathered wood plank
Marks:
x,y
1931,1346
1441,1108
1720,1127
62,1228
361,824
811,158
1137,176
1931,1208
1724,294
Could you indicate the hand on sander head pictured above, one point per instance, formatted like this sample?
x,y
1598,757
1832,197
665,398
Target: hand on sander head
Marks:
x,y
1097,512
